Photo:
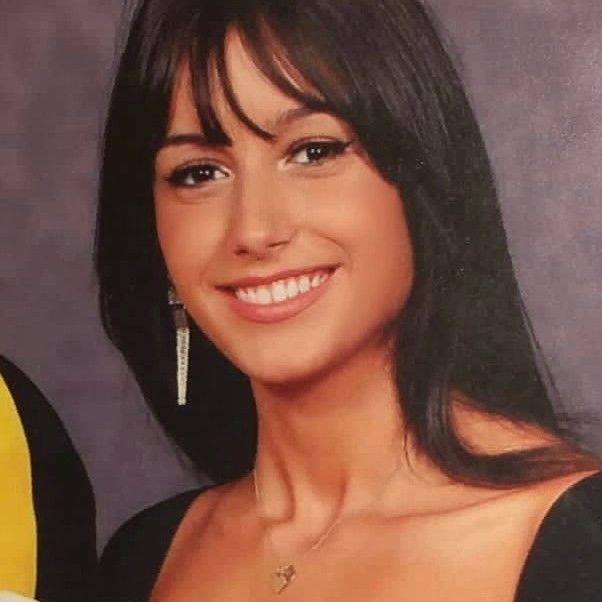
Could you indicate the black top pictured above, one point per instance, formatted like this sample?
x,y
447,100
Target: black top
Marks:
x,y
564,564
62,498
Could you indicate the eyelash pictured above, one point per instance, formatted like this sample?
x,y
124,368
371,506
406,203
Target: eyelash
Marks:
x,y
201,172
333,148
180,175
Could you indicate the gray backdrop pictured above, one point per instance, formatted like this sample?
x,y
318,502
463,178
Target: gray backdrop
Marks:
x,y
534,72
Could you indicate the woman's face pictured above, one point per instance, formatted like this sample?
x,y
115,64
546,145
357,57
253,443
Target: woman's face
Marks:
x,y
292,254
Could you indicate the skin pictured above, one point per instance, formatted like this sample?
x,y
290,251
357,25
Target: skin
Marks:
x,y
330,430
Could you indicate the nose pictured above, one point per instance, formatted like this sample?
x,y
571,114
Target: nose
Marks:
x,y
260,222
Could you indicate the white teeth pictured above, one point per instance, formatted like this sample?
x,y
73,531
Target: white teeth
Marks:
x,y
263,295
304,284
292,289
281,290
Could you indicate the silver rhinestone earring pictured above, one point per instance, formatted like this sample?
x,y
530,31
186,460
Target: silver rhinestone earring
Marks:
x,y
180,321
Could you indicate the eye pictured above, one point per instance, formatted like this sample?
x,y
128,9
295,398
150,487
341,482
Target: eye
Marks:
x,y
195,174
317,151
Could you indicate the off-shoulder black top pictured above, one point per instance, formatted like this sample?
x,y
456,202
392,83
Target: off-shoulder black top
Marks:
x,y
563,565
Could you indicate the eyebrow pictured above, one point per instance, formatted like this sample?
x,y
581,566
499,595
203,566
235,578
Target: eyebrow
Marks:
x,y
273,125
287,117
195,138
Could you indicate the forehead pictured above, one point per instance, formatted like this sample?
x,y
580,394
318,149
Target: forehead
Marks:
x,y
256,96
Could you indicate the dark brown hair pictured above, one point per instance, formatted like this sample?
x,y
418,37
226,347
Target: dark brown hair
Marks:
x,y
381,66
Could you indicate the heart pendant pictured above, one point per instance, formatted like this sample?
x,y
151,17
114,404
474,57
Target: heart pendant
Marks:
x,y
283,577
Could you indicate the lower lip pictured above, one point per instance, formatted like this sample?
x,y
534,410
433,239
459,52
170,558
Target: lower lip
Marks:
x,y
277,312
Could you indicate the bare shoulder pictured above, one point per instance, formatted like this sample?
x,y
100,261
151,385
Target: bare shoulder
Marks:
x,y
223,501
209,520
540,499
203,506
441,496
211,515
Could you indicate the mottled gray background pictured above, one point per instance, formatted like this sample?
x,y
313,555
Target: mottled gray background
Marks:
x,y
534,69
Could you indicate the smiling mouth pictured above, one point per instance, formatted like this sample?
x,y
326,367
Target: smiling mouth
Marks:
x,y
283,290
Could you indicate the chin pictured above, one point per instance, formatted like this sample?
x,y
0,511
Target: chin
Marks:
x,y
281,374
284,369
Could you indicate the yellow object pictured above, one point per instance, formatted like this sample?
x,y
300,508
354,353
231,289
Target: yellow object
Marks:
x,y
18,535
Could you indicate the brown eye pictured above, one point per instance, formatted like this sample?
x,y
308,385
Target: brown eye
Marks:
x,y
196,174
317,151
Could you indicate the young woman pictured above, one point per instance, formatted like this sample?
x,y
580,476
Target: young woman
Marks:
x,y
308,181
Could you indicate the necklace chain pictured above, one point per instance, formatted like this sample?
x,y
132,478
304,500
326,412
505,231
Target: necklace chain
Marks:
x,y
286,573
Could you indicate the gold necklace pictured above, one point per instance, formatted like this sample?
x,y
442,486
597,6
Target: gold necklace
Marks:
x,y
286,573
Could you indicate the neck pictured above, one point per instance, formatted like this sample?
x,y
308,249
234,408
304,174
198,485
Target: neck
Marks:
x,y
328,447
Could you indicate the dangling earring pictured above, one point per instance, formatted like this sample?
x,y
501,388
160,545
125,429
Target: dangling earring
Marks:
x,y
180,321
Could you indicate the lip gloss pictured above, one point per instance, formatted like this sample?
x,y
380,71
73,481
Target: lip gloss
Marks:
x,y
278,311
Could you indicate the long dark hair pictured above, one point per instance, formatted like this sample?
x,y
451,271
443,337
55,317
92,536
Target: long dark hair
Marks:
x,y
381,66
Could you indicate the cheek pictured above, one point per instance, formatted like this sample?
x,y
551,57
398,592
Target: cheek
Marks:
x,y
188,237
379,247
370,223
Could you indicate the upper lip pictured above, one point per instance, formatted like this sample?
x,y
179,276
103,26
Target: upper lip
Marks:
x,y
257,280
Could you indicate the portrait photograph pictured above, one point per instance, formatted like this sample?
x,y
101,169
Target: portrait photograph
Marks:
x,y
301,300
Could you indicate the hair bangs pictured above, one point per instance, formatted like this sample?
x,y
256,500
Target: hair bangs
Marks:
x,y
292,66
